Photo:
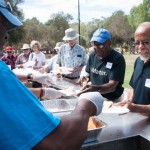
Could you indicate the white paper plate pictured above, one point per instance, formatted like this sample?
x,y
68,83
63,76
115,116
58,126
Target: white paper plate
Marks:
x,y
117,110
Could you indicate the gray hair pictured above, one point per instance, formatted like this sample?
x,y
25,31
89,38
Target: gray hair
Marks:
x,y
35,43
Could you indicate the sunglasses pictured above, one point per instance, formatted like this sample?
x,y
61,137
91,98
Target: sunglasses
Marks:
x,y
144,43
100,45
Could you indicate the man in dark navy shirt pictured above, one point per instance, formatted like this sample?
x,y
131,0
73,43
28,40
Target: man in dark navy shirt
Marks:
x,y
106,67
139,99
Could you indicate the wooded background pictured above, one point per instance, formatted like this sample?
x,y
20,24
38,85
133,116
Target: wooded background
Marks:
x,y
121,26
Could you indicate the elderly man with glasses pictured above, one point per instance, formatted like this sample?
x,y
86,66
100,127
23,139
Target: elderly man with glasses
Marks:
x,y
139,98
105,67
24,122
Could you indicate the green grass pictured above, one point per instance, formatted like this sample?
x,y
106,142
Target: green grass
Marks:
x,y
129,58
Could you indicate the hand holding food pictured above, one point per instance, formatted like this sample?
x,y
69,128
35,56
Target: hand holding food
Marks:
x,y
84,81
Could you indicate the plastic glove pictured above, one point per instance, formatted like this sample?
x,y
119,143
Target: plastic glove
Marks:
x,y
47,79
95,98
51,79
41,78
84,73
51,93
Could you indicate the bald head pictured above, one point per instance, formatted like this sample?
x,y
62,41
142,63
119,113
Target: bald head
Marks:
x,y
143,28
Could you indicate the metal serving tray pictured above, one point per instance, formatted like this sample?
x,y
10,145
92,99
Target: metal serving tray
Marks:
x,y
59,105
93,134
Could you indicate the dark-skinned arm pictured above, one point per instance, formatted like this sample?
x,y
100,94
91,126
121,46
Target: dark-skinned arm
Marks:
x,y
71,132
105,88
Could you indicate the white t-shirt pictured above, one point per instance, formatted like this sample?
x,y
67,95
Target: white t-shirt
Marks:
x,y
39,59
52,64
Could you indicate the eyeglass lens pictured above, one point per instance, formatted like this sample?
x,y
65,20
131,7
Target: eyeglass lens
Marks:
x,y
144,43
100,45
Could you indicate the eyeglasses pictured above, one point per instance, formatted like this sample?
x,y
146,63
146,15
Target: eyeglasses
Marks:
x,y
100,45
144,43
25,49
9,52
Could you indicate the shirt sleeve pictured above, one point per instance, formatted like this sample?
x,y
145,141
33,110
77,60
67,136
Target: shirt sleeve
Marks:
x,y
24,121
59,59
84,57
118,70
30,57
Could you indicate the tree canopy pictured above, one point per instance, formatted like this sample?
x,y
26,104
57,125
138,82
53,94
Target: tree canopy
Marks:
x,y
121,26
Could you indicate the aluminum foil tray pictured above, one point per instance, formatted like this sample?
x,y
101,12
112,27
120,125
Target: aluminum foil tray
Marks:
x,y
59,105
93,134
63,83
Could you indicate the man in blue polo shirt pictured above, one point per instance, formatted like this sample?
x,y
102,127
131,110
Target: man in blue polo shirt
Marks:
x,y
139,98
24,122
106,67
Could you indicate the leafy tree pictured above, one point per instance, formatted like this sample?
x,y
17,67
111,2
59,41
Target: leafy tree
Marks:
x,y
139,14
56,25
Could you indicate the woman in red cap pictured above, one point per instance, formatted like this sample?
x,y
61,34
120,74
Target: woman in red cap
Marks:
x,y
9,58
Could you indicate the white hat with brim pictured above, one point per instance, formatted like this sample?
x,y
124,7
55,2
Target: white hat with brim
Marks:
x,y
14,22
70,34
25,46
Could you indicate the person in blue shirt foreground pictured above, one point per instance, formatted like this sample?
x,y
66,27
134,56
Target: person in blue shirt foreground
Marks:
x,y
139,97
24,122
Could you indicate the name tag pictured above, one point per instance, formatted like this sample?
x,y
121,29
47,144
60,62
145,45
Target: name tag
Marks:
x,y
109,65
147,83
79,55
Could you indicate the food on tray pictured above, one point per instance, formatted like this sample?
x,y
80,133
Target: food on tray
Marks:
x,y
53,109
70,91
94,123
